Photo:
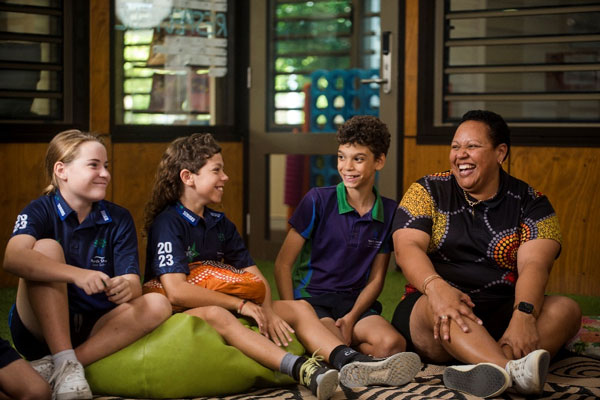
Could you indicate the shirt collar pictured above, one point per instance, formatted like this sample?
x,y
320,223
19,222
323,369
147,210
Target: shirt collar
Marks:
x,y
99,213
211,217
345,207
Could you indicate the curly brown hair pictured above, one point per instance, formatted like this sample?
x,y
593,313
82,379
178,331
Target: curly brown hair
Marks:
x,y
189,152
365,130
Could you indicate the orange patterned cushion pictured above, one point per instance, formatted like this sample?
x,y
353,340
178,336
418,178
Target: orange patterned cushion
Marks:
x,y
221,277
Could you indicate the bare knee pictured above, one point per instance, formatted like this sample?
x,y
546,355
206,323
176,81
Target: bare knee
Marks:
x,y
216,316
390,344
50,248
38,390
157,308
566,312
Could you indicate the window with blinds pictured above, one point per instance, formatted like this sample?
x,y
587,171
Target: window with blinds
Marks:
x,y
43,82
306,36
535,62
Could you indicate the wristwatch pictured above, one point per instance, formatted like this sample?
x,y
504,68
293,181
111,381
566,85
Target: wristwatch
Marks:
x,y
527,308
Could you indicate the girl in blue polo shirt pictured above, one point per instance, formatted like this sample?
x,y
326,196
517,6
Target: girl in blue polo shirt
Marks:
x,y
79,297
182,229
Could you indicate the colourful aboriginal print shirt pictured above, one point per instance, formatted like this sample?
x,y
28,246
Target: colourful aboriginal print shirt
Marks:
x,y
474,248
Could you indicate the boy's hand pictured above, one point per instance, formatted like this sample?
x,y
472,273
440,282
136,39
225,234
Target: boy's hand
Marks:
x,y
118,290
278,330
346,326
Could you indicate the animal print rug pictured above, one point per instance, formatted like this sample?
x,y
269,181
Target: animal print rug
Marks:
x,y
572,378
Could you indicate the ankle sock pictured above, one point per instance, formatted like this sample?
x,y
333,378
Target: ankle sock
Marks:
x,y
343,355
63,356
290,365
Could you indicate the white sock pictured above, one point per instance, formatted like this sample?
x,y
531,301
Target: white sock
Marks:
x,y
61,357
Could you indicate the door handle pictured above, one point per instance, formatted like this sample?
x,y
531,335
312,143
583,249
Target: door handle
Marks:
x,y
386,64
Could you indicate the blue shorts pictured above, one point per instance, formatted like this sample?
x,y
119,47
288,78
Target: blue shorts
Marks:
x,y
32,348
336,305
7,353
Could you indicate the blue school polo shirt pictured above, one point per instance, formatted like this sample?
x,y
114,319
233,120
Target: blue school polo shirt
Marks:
x,y
178,237
340,245
105,241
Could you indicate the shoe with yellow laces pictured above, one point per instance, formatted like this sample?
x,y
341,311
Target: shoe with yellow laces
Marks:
x,y
321,380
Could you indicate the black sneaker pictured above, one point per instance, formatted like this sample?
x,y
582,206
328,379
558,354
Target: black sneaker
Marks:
x,y
395,370
321,380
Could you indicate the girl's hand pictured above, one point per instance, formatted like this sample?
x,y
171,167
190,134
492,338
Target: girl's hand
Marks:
x,y
91,282
448,303
118,290
277,329
255,312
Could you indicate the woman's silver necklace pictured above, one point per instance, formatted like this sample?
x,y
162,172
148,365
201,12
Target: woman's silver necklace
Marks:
x,y
472,203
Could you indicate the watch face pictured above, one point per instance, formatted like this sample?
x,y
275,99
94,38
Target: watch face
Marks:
x,y
526,307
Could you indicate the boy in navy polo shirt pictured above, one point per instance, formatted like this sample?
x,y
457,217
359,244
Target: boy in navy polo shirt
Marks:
x,y
79,297
336,253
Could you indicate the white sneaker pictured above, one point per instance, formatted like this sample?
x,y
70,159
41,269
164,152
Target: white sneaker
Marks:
x,y
396,370
69,382
482,380
529,373
44,366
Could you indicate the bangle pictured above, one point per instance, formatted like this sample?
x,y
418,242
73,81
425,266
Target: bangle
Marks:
x,y
427,281
239,309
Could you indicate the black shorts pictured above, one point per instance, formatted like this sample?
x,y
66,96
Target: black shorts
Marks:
x,y
32,348
495,314
336,305
7,353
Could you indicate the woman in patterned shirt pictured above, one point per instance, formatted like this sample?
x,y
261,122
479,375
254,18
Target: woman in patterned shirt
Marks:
x,y
477,246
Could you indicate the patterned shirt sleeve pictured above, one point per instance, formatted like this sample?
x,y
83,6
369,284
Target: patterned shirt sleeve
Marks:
x,y
416,210
34,220
539,219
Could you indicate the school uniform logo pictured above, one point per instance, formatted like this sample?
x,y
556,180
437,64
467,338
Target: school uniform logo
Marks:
x,y
191,252
99,260
374,242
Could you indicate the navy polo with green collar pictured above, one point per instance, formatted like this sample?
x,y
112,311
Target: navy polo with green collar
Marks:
x,y
105,241
340,245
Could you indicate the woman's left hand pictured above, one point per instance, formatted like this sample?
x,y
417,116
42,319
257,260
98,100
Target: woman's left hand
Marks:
x,y
118,290
276,328
521,336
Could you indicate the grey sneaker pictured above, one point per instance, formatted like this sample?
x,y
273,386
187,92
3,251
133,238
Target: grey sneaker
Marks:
x,y
44,366
482,380
321,380
69,382
529,373
395,370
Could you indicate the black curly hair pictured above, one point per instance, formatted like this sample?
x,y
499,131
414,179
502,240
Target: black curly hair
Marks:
x,y
365,130
499,132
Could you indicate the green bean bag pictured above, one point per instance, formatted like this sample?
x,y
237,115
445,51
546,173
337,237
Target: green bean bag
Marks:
x,y
184,357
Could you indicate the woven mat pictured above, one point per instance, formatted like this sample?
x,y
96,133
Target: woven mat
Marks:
x,y
572,378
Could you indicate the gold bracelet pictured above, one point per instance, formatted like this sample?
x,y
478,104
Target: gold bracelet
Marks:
x,y
428,280
239,309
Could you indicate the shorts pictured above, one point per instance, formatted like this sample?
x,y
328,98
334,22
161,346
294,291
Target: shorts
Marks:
x,y
7,353
495,314
32,348
336,305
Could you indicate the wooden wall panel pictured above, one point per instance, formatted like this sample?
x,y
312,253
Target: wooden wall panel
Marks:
x,y
99,66
570,177
423,160
134,166
22,166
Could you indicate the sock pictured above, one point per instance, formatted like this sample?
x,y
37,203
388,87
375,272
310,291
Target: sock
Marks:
x,y
61,357
343,355
288,365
